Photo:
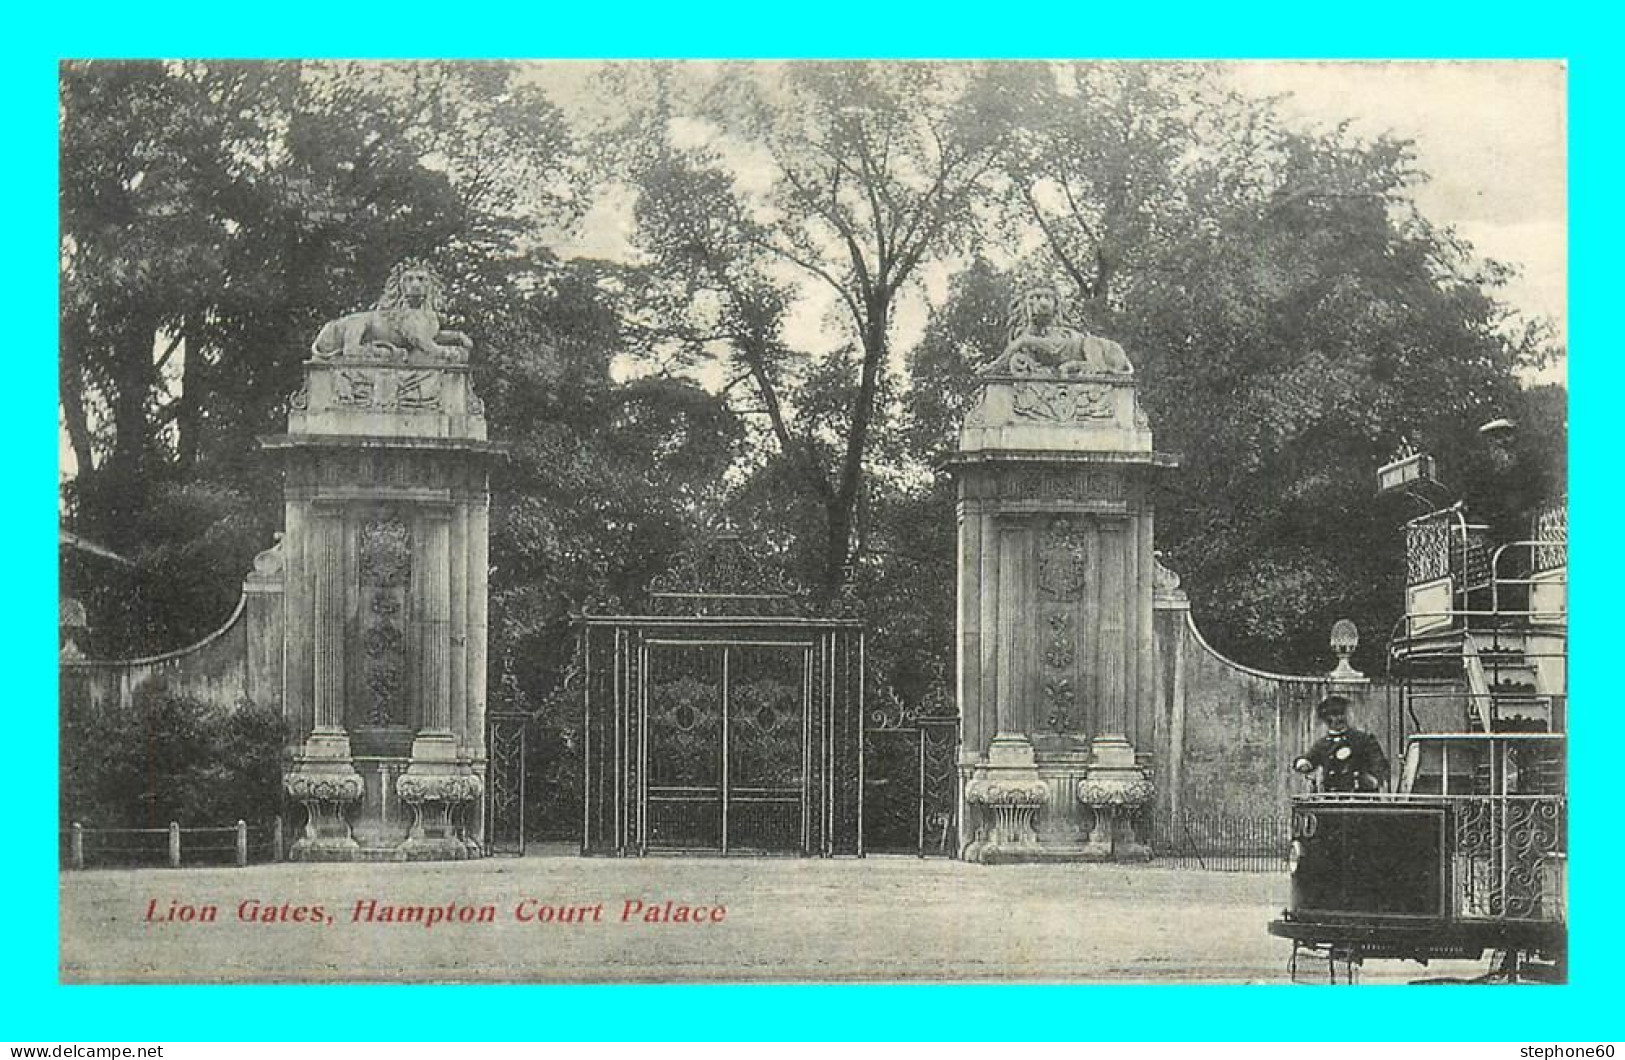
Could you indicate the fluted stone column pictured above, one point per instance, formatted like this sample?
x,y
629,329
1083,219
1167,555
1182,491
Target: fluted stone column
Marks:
x,y
477,596
323,777
436,785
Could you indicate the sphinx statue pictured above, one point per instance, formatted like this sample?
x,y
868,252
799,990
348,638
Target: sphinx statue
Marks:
x,y
1042,345
404,325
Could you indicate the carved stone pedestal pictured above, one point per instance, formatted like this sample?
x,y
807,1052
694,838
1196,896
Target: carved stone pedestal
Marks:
x,y
324,781
1007,794
1114,790
440,791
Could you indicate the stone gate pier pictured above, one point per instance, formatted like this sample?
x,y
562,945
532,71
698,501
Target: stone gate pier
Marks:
x,y
383,566
1055,583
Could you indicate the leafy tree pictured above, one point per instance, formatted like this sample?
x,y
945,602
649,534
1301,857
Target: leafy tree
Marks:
x,y
214,214
845,176
1290,316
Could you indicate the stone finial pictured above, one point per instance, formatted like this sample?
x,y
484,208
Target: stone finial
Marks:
x,y
1344,639
1041,343
404,324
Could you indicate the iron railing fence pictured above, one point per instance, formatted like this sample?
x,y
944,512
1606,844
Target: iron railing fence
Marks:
x,y
81,846
1222,842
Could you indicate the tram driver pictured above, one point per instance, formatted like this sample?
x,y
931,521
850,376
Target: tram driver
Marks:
x,y
1348,758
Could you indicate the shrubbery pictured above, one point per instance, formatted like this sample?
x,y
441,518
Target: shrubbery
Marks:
x,y
169,757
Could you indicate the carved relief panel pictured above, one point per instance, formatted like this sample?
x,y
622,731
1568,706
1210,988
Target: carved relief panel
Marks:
x,y
383,581
1062,566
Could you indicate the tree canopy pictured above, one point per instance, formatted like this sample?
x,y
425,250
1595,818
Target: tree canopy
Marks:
x,y
816,256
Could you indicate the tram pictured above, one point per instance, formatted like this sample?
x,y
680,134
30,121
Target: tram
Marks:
x,y
1468,855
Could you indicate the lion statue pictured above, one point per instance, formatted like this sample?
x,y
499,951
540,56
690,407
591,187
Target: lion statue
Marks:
x,y
1041,343
404,325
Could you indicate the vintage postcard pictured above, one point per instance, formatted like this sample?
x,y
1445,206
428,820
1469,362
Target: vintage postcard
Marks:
x,y
863,521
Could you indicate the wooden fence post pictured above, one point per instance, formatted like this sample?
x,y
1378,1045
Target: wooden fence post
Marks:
x,y
242,842
174,845
76,845
276,838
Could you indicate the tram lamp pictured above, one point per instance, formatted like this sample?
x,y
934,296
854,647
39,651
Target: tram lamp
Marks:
x,y
1407,469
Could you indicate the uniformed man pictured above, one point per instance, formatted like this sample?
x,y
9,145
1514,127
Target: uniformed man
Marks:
x,y
1349,759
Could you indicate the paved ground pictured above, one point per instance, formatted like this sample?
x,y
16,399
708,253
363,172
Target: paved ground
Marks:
x,y
879,919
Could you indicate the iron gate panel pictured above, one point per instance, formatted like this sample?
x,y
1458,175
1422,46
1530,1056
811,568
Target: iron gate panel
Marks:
x,y
728,719
768,721
911,785
721,735
682,753
505,778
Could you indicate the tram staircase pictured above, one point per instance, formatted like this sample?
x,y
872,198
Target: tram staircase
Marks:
x,y
1501,683
1500,637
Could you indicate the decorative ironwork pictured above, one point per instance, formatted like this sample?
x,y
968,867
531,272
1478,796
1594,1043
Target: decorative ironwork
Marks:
x,y
505,772
685,725
765,722
707,738
1427,551
939,743
721,575
911,775
1552,531
725,719
384,568
1475,558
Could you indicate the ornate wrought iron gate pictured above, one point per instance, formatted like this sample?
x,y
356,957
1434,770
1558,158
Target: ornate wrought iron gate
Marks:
x,y
715,734
725,721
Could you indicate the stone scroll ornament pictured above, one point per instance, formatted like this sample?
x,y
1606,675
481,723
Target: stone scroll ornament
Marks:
x,y
402,327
